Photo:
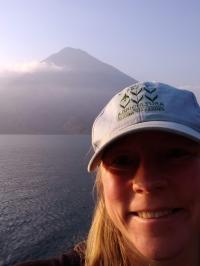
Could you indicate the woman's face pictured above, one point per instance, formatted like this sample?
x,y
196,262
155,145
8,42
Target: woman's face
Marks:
x,y
151,180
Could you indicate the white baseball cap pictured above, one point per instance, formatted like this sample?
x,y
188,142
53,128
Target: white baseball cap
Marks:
x,y
145,106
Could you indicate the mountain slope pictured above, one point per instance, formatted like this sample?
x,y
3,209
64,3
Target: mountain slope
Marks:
x,y
82,69
62,101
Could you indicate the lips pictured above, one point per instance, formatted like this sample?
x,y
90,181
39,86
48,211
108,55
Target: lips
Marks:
x,y
156,214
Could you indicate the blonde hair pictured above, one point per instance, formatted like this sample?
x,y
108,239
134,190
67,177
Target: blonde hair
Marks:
x,y
107,244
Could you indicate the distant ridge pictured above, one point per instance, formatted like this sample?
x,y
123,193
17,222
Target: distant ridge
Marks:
x,y
75,58
59,102
85,70
79,60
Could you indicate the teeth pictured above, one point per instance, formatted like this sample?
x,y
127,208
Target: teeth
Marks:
x,y
156,214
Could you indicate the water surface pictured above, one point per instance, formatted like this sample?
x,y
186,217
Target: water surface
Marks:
x,y
45,195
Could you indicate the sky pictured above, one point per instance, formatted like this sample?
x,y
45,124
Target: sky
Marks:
x,y
147,39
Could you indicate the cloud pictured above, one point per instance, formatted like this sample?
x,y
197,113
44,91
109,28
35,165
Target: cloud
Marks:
x,y
27,67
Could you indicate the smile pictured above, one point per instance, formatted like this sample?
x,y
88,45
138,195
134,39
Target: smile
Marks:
x,y
155,214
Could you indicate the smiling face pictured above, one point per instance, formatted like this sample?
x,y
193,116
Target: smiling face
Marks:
x,y
151,181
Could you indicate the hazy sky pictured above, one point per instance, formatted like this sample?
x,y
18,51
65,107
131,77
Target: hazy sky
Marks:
x,y
147,39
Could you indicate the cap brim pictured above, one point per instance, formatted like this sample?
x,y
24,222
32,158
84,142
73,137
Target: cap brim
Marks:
x,y
166,126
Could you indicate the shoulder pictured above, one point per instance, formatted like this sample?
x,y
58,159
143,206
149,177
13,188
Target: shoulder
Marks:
x,y
74,257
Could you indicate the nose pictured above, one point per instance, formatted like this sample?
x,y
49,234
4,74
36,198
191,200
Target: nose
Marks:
x,y
149,178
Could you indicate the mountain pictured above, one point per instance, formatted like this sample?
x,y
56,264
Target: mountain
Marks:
x,y
62,97
77,59
84,70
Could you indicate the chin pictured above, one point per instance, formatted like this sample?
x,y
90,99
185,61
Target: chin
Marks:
x,y
160,255
159,250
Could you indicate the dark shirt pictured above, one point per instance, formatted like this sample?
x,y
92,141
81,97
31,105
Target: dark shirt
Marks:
x,y
71,258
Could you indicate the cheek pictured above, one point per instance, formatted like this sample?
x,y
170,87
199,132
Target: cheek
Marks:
x,y
115,193
113,189
189,180
187,188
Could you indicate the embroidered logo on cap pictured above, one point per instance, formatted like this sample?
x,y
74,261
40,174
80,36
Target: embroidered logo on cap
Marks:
x,y
140,98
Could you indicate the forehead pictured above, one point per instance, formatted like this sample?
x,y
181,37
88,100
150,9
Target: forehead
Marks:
x,y
152,139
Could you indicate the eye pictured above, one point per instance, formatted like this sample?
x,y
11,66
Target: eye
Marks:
x,y
122,162
179,153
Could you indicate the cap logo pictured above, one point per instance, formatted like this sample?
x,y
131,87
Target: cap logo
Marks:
x,y
150,94
125,101
139,98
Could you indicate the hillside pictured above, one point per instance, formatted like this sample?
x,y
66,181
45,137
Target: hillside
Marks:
x,y
62,99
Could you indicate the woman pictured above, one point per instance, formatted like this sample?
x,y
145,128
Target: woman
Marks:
x,y
147,157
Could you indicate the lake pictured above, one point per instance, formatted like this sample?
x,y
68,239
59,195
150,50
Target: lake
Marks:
x,y
45,194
